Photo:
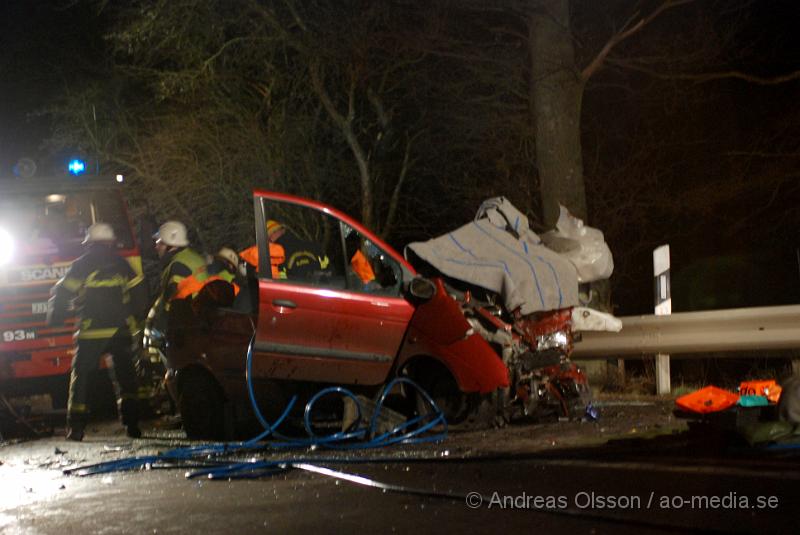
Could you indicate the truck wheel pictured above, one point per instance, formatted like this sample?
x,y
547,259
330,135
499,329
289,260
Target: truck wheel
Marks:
x,y
202,407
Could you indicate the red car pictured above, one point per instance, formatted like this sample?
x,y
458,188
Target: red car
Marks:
x,y
327,322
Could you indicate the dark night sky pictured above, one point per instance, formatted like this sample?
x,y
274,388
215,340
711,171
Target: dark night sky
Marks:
x,y
44,48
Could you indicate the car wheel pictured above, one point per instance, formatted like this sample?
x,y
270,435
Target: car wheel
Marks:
x,y
201,406
443,389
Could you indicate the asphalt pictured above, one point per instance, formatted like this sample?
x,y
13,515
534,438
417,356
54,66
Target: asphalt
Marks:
x,y
631,478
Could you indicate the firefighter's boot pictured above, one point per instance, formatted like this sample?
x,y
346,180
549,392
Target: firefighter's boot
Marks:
x,y
129,411
75,428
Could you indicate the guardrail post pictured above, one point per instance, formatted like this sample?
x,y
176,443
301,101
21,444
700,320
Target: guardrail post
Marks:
x,y
663,307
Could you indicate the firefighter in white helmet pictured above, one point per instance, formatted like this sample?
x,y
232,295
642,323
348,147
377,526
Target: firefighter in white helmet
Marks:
x,y
110,298
225,266
182,271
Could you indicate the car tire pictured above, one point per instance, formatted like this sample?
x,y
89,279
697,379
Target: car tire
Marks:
x,y
201,405
463,411
443,389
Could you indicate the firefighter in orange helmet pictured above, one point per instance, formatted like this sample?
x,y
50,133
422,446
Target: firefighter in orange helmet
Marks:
x,y
277,253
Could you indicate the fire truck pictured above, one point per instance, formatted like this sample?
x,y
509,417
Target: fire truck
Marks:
x,y
42,225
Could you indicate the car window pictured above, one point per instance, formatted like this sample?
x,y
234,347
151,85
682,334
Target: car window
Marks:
x,y
308,246
369,268
305,245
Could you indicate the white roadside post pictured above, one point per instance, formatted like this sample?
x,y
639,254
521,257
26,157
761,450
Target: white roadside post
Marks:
x,y
663,308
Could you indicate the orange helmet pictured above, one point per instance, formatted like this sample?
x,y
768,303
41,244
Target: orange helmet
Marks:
x,y
273,228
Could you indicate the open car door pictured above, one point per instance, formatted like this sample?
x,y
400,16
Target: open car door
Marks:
x,y
330,306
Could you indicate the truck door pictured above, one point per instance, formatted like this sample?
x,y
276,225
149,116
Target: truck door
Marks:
x,y
326,314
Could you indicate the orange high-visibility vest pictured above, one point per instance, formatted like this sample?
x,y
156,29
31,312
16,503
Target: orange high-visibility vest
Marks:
x,y
277,256
361,266
190,286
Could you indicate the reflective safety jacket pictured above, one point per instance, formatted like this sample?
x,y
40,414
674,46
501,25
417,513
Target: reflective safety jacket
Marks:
x,y
183,268
217,271
277,257
105,290
183,276
361,266
191,286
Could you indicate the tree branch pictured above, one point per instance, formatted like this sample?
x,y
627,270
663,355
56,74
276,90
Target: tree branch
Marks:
x,y
628,29
345,124
207,63
395,199
710,76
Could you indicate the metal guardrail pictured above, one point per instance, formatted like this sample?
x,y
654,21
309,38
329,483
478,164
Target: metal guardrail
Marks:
x,y
683,333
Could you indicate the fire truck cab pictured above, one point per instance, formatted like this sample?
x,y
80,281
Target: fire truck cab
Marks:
x,y
42,225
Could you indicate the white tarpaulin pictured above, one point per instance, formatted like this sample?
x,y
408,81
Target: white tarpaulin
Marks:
x,y
582,245
498,251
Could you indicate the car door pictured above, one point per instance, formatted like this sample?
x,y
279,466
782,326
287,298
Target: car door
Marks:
x,y
318,318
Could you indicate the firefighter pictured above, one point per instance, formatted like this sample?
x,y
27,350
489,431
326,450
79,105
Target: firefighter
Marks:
x,y
225,266
359,262
182,276
222,286
109,298
277,253
305,260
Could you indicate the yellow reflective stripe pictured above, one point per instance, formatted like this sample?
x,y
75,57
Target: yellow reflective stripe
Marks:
x,y
135,281
324,261
299,256
136,264
114,282
94,334
73,285
227,276
78,407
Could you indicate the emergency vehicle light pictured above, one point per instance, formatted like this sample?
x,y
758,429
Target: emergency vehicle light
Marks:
x,y
76,167
6,247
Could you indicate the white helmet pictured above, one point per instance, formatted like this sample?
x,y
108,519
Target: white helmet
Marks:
x,y
173,234
229,255
100,232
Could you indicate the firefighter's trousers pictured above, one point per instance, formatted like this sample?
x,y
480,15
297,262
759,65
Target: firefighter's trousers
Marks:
x,y
86,361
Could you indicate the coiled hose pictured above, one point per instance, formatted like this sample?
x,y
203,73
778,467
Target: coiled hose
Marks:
x,y
212,459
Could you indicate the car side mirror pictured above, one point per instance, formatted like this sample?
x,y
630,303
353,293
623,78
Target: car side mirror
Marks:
x,y
422,288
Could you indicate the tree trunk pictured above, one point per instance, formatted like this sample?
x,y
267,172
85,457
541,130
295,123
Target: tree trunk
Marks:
x,y
556,91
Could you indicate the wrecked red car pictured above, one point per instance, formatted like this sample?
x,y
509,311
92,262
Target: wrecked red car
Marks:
x,y
346,309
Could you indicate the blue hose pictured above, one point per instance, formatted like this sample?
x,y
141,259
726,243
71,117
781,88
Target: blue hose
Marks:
x,y
412,431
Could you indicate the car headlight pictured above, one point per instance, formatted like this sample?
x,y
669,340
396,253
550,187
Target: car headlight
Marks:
x,y
6,247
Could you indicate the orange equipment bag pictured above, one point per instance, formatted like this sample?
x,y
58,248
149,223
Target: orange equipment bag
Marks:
x,y
707,400
767,388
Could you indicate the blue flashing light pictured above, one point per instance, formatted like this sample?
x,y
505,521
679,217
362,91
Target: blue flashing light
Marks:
x,y
76,167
